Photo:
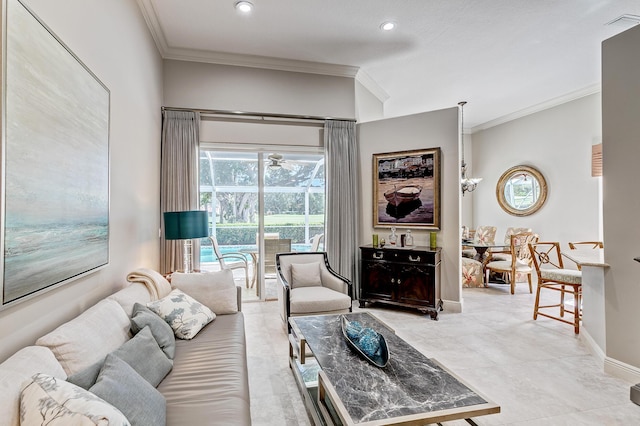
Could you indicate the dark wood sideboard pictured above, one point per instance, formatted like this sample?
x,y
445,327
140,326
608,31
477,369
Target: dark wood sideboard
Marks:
x,y
401,277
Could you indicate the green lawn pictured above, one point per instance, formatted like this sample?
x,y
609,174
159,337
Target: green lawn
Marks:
x,y
292,219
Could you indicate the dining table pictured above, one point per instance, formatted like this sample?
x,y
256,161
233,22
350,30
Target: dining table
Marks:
x,y
481,248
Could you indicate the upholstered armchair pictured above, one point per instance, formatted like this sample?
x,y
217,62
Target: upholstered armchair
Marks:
x,y
308,286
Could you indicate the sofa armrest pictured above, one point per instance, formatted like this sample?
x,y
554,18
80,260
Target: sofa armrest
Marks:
x,y
239,297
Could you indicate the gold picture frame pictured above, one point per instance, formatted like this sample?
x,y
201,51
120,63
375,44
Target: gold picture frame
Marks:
x,y
406,189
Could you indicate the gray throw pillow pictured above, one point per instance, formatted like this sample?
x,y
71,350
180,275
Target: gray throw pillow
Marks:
x,y
145,356
122,387
162,332
87,377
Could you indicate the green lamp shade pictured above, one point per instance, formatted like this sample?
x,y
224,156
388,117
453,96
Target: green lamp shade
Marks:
x,y
186,225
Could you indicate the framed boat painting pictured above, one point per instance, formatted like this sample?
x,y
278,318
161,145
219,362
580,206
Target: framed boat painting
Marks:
x,y
406,189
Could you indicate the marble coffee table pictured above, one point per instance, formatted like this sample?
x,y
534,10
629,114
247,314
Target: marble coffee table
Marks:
x,y
340,387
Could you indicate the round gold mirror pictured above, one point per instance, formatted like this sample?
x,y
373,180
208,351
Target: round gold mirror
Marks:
x,y
521,190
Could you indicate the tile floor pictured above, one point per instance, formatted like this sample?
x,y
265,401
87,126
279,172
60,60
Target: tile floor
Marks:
x,y
539,372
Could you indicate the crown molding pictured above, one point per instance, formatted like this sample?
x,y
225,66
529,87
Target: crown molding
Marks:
x,y
151,18
571,96
264,62
253,61
372,86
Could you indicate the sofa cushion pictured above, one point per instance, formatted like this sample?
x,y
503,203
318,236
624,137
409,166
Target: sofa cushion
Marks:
x,y
15,370
162,332
209,383
185,315
310,300
305,275
121,386
216,290
89,337
46,400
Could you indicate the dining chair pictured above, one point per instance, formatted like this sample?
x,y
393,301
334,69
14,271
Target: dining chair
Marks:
x,y
505,254
472,275
315,242
233,260
482,235
552,275
273,246
587,244
592,244
519,262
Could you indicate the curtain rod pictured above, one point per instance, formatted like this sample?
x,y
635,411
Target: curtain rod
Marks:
x,y
240,114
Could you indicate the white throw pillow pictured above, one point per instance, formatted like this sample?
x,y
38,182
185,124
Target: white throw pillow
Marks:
x,y
216,290
183,313
305,275
15,370
46,400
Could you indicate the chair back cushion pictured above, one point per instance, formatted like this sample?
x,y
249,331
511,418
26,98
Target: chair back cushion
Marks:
x,y
305,275
485,234
513,231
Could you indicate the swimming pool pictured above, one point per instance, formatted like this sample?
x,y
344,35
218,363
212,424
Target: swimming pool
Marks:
x,y
207,254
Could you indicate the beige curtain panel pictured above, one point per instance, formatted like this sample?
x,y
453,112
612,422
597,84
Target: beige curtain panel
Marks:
x,y
178,180
342,159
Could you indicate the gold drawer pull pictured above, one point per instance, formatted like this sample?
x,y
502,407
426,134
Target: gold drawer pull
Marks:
x,y
378,255
417,259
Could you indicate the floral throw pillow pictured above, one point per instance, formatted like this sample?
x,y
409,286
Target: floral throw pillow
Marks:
x,y
183,313
46,400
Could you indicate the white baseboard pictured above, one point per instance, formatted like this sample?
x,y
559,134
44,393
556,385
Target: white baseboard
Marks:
x,y
453,306
622,370
610,365
594,348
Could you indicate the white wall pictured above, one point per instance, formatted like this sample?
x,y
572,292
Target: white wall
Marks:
x,y
121,53
224,87
419,131
621,151
368,106
556,141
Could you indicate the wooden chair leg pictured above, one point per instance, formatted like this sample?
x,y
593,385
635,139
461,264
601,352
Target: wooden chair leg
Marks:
x,y
535,306
530,285
562,301
576,311
512,280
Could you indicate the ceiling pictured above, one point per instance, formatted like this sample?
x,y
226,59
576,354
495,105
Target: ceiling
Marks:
x,y
507,58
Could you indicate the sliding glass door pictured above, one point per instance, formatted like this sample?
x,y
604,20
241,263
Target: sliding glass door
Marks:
x,y
260,204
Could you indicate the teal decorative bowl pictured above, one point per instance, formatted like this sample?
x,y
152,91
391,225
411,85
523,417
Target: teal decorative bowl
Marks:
x,y
370,344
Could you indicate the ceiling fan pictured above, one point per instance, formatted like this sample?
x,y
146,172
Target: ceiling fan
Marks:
x,y
276,161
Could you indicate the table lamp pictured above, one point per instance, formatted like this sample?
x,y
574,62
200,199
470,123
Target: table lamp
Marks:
x,y
186,226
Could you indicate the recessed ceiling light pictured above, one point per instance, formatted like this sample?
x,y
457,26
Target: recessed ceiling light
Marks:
x,y
244,6
387,26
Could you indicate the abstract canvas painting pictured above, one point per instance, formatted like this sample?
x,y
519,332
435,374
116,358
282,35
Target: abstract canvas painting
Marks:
x,y
56,164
